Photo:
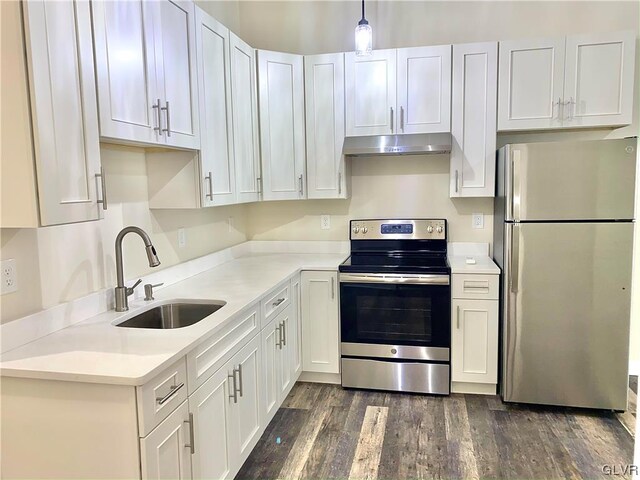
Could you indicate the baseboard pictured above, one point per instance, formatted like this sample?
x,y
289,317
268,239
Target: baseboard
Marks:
x,y
315,377
476,388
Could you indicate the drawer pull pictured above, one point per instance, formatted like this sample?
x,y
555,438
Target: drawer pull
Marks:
x,y
172,392
192,440
278,302
279,333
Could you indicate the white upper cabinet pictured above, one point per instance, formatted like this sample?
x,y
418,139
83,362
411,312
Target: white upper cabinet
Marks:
x,y
176,72
216,143
64,110
145,71
598,86
566,82
424,89
473,120
371,93
324,102
281,101
245,120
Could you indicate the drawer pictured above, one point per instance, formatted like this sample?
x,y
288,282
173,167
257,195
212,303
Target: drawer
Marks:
x,y
475,286
275,302
204,360
160,396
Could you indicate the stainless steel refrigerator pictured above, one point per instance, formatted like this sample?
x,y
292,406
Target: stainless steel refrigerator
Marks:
x,y
563,237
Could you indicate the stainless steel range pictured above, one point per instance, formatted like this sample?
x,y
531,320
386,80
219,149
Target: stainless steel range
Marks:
x,y
395,306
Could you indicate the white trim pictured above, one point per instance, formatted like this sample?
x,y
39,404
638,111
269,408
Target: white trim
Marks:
x,y
37,325
476,388
320,377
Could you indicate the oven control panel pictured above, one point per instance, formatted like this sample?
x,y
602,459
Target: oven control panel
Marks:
x,y
422,229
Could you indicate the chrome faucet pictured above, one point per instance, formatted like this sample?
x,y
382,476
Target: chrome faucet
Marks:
x,y
122,291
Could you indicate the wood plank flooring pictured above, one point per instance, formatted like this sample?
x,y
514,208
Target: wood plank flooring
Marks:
x,y
326,432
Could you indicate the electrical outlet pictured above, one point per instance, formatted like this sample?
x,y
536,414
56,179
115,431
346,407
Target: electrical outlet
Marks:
x,y
182,238
325,222
230,224
9,273
477,220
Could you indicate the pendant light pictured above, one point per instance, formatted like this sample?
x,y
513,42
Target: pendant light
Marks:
x,y
364,36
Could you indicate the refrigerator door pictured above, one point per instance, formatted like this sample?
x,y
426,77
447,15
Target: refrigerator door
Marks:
x,y
566,314
587,180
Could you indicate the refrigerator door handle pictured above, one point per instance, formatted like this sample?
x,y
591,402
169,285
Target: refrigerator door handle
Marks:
x,y
515,184
514,259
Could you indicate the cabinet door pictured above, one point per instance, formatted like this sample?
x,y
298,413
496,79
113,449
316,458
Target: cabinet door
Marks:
x,y
125,70
286,381
245,414
424,89
371,93
324,104
320,329
474,341
211,406
165,451
473,125
245,120
531,82
598,85
271,346
295,333
64,110
174,29
214,81
281,102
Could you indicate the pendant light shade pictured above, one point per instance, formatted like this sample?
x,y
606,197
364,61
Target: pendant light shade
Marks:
x,y
364,36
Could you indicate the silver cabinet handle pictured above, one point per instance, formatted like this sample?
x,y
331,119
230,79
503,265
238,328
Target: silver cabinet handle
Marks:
x,y
391,117
166,109
571,104
339,183
173,390
300,184
402,118
156,107
209,179
559,104
333,287
259,184
103,186
283,334
192,437
278,302
456,181
234,389
458,317
239,370
279,341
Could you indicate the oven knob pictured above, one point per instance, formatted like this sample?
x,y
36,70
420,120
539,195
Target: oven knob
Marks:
x,y
365,229
356,229
439,229
429,229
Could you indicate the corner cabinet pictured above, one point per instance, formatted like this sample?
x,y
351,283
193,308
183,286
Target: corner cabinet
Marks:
x,y
63,111
474,333
145,72
566,82
473,120
324,102
282,129
320,322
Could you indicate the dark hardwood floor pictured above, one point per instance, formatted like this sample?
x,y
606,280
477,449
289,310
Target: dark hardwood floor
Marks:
x,y
325,432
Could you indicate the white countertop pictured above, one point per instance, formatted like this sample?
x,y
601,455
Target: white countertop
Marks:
x,y
483,265
97,351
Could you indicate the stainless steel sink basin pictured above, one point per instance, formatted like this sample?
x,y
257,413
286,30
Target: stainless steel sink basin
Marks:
x,y
172,315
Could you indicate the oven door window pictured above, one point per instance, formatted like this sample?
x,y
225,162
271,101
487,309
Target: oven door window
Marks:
x,y
395,314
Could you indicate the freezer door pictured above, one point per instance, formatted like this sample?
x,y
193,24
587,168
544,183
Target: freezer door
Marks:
x,y
566,314
587,180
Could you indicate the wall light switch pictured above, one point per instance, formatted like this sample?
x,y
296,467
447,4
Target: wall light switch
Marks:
x,y
9,273
182,238
477,220
325,222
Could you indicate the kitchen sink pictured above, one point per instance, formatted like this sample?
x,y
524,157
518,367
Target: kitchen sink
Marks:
x,y
172,315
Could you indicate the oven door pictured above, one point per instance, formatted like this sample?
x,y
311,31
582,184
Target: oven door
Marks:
x,y
395,310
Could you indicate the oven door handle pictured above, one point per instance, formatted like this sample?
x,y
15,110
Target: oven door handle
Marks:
x,y
395,279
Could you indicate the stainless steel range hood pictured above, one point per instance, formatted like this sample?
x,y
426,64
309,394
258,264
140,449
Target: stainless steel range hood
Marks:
x,y
408,144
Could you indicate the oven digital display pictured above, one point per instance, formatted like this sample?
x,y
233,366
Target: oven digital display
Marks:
x,y
396,228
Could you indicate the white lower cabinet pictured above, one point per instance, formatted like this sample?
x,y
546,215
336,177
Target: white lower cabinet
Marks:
x,y
166,450
320,322
474,334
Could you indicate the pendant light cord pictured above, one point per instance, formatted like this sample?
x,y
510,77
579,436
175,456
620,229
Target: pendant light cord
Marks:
x,y
362,9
